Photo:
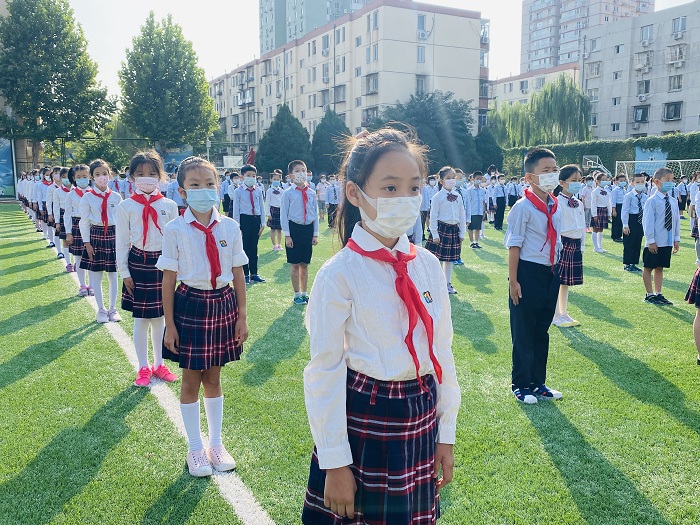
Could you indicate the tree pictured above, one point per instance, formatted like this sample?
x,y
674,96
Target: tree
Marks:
x,y
106,149
284,141
48,78
327,146
165,94
442,123
489,150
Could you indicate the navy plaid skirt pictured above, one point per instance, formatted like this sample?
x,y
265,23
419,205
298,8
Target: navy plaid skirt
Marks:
x,y
600,221
450,247
43,213
693,295
392,429
570,266
105,246
62,232
76,248
206,325
694,230
147,299
273,222
50,222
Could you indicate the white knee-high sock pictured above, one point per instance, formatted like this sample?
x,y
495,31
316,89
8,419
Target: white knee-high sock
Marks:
x,y
50,233
563,302
96,283
447,268
113,281
214,407
141,340
697,249
66,253
157,332
44,229
596,240
79,271
190,417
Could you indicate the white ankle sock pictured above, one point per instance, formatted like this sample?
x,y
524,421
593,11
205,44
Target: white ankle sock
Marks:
x,y
157,332
141,340
190,417
214,408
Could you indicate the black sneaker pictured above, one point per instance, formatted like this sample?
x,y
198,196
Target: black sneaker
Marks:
x,y
650,298
524,395
256,278
474,245
545,392
478,246
663,301
635,268
628,268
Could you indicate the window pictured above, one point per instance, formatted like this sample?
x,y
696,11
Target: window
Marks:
x,y
313,47
358,72
679,24
539,83
641,113
643,87
421,22
594,119
616,101
421,84
358,41
647,32
510,87
595,44
677,53
675,82
484,58
368,54
372,84
483,88
375,20
642,59
375,52
325,42
617,75
593,94
672,111
339,93
358,102
594,69
615,127
523,86
326,71
369,114
619,48
483,118
421,54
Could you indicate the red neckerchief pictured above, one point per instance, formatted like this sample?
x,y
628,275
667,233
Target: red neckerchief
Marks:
x,y
252,200
212,251
304,198
79,192
551,232
148,211
65,189
409,294
105,198
131,188
46,183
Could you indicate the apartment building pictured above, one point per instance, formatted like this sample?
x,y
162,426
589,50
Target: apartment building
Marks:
x,y
358,65
552,29
519,88
641,74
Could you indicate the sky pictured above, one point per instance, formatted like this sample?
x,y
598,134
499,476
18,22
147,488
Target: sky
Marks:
x,y
224,33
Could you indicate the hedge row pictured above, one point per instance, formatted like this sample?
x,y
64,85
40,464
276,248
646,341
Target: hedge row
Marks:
x,y
678,146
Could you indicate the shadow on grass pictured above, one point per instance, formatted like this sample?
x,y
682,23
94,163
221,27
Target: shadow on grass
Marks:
x,y
602,493
17,268
34,315
41,354
16,255
602,312
26,284
593,271
479,281
473,324
636,378
62,469
489,256
676,286
6,245
178,502
281,341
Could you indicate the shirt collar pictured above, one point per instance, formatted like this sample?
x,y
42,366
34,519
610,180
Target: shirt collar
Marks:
x,y
369,243
190,218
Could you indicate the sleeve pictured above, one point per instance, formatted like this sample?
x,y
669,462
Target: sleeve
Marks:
x,y
169,257
235,208
625,215
85,218
123,238
56,202
169,192
231,191
239,257
49,200
676,223
610,203
261,207
68,216
329,309
594,203
316,225
462,218
417,231
284,213
517,224
434,212
467,206
648,222
267,201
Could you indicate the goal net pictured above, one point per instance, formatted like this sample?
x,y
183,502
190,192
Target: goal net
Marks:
x,y
593,163
678,167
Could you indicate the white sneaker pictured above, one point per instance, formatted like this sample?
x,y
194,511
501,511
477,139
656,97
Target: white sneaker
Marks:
x,y
198,464
220,459
561,322
102,316
114,315
571,320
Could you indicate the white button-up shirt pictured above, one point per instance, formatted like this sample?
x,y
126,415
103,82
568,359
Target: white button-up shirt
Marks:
x,y
654,221
527,229
601,201
573,220
72,208
631,206
448,212
91,210
273,199
356,320
185,251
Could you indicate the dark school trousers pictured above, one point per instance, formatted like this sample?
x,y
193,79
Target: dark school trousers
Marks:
x,y
500,212
529,322
227,203
332,212
632,243
616,232
512,199
250,227
423,219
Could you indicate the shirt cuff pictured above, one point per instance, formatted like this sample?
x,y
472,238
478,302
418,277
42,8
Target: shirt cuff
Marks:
x,y
285,233
167,263
447,433
239,260
334,457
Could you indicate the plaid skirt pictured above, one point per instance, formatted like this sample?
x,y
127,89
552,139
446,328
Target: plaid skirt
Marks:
x,y
570,266
105,246
600,221
76,248
62,232
206,325
693,295
42,213
450,247
273,222
694,230
392,429
147,300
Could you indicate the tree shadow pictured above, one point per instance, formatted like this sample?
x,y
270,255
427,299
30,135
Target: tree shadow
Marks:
x,y
68,463
36,314
678,313
475,325
488,256
41,354
479,281
178,502
14,244
676,286
16,255
281,341
602,312
281,274
22,267
26,284
592,271
268,257
602,493
636,378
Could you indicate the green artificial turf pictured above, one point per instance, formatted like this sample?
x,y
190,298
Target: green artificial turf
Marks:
x,y
83,446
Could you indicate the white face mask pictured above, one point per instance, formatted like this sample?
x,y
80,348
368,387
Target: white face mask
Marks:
x,y
249,182
394,215
432,182
300,177
146,184
548,181
448,184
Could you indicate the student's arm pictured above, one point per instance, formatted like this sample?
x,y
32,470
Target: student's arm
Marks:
x,y
123,245
171,339
235,207
314,241
467,206
514,286
267,201
261,207
462,218
676,227
68,219
284,218
625,214
241,331
648,222
434,212
84,225
513,240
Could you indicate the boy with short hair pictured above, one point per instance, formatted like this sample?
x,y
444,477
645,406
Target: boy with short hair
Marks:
x,y
662,230
683,196
247,209
333,198
428,192
631,216
476,197
534,243
499,193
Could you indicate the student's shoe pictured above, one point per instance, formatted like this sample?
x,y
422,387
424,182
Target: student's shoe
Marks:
x,y
490,222
698,361
628,268
306,298
600,250
473,245
482,236
571,320
143,378
524,395
220,459
617,240
256,278
102,316
460,262
684,218
660,299
247,279
546,393
635,268
39,230
69,267
114,315
164,373
479,247
51,245
299,300
650,298
561,322
83,291
198,464
60,256
91,292
450,289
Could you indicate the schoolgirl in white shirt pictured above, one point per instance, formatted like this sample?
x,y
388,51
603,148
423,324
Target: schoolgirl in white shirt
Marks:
x,y
60,199
273,203
601,209
140,220
79,176
373,375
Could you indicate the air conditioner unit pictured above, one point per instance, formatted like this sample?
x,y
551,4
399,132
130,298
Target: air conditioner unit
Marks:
x,y
523,91
646,69
645,43
326,80
642,97
679,64
422,35
326,107
678,35
585,55
325,52
276,71
635,125
234,125
638,67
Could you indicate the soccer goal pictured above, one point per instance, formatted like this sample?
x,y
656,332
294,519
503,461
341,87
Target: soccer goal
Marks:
x,y
678,167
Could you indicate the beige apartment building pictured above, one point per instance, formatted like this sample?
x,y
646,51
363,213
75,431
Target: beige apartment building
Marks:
x,y
519,88
641,74
358,65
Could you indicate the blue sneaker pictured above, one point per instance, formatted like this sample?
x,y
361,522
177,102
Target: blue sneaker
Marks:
x,y
306,298
247,279
256,278
545,392
299,300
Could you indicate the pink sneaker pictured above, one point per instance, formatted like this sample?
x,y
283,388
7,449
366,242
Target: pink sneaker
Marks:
x,y
220,459
83,292
162,372
69,267
198,464
90,291
144,377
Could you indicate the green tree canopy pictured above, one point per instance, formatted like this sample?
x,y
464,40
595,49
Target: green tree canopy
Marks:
x,y
165,94
48,78
284,141
488,148
327,146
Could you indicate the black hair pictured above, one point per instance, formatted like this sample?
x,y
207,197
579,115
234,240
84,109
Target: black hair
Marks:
x,y
191,163
293,164
97,163
444,171
637,175
149,157
247,168
63,172
73,169
533,156
564,174
600,175
491,169
661,172
477,174
589,177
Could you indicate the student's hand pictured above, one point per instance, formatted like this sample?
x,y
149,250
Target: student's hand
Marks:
x,y
51,218
129,284
436,240
614,212
90,250
653,248
314,241
261,230
58,228
288,242
676,247
69,239
171,339
339,492
241,330
445,458
626,230
516,292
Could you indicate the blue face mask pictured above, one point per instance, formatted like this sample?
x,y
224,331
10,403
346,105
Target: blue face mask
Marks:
x,y
589,184
667,186
202,200
575,187
65,182
82,183
275,184
309,178
604,183
623,184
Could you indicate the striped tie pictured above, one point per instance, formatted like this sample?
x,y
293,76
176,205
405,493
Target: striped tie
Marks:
x,y
640,217
668,217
